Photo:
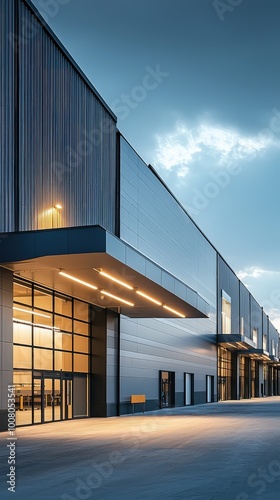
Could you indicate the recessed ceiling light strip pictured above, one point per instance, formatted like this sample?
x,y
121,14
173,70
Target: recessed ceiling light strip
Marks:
x,y
116,280
77,280
117,298
174,311
148,297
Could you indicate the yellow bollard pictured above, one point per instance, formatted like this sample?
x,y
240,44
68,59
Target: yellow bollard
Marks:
x,y
21,403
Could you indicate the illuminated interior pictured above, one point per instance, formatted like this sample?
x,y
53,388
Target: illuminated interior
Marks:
x,y
51,345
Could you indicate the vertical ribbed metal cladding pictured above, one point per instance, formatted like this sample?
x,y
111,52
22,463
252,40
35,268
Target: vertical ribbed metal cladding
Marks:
x,y
119,368
118,184
218,322
7,54
16,119
67,139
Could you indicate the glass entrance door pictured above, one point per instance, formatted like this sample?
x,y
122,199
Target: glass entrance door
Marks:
x,y
48,399
167,389
52,398
66,399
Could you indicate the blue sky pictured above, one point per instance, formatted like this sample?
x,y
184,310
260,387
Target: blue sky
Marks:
x,y
196,88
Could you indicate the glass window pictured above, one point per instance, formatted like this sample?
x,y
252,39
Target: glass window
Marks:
x,y
22,377
81,310
264,342
43,337
273,351
81,344
80,327
63,305
23,391
23,294
62,323
226,313
22,334
81,363
63,361
22,357
22,313
43,359
63,341
43,299
255,336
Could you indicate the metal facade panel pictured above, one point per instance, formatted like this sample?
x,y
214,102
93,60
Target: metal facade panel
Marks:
x,y
245,309
7,55
256,320
66,137
153,222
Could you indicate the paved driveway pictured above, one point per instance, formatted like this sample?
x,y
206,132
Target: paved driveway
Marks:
x,y
219,451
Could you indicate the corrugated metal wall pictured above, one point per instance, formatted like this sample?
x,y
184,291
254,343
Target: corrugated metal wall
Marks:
x,y
6,116
152,221
250,310
245,309
66,151
256,320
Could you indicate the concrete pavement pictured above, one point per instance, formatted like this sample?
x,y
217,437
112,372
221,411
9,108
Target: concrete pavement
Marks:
x,y
219,451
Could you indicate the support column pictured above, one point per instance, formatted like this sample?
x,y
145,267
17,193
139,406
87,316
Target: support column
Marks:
x,y
261,380
235,376
6,342
270,383
104,377
247,378
257,380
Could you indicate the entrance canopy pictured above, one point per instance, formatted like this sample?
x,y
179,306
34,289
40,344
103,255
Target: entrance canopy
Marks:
x,y
235,342
243,345
93,265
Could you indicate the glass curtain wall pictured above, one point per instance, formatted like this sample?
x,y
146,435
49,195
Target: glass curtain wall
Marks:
x,y
242,377
226,313
224,374
51,343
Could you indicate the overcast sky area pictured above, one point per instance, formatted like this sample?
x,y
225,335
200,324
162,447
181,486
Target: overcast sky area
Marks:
x,y
195,85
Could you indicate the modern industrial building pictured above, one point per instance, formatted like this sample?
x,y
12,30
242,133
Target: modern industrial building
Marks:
x,y
108,289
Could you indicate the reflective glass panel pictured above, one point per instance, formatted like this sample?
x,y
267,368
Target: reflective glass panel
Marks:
x,y
81,310
81,344
42,299
22,334
63,341
23,389
63,361
63,323
63,305
22,357
80,327
22,313
43,337
81,363
43,359
22,293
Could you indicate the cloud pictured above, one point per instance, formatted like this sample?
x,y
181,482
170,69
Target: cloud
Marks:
x,y
255,272
183,146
